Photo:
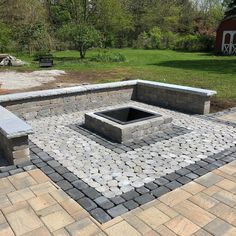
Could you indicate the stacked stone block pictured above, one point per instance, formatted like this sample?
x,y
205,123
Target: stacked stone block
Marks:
x,y
14,138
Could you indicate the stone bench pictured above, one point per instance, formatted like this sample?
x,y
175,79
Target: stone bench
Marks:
x,y
14,137
37,104
181,98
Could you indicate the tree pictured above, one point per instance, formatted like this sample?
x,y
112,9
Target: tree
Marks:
x,y
110,17
5,37
231,9
28,22
82,37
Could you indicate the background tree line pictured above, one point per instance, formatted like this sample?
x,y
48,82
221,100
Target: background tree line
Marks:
x,y
42,25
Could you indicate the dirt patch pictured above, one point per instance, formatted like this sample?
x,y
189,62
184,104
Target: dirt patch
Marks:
x,y
12,80
68,79
219,105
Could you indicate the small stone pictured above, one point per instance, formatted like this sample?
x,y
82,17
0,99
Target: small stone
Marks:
x,y
79,184
47,170
91,192
161,181
70,176
64,185
16,171
172,176
75,193
160,191
142,190
117,211
28,168
53,163
61,170
113,183
104,202
173,185
145,198
5,174
137,184
44,156
55,177
100,215
184,180
130,195
87,203
131,204
117,200
192,176
151,186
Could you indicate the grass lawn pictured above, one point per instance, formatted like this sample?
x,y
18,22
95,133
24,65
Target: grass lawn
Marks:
x,y
193,69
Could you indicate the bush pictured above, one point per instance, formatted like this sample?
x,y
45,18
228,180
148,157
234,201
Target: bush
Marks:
x,y
195,43
156,39
107,56
143,41
168,40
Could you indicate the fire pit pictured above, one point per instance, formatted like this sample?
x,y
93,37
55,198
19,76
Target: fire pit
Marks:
x,y
127,115
126,123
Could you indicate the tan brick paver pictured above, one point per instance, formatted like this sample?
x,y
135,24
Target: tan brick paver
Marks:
x,y
173,198
163,230
225,212
203,200
182,226
57,220
194,213
193,188
23,221
20,195
31,205
153,217
122,228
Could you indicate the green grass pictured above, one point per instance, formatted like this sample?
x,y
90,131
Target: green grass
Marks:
x,y
193,69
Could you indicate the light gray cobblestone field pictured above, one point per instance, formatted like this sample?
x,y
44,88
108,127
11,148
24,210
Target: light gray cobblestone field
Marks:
x,y
112,173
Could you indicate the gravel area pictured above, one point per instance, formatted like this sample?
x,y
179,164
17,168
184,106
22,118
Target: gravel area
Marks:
x,y
12,80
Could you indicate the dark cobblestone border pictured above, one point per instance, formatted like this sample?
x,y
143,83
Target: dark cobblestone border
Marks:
x,y
104,209
167,134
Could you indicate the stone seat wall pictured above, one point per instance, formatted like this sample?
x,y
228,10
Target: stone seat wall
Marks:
x,y
14,137
38,104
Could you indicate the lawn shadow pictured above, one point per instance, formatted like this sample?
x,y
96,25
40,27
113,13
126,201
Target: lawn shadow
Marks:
x,y
217,66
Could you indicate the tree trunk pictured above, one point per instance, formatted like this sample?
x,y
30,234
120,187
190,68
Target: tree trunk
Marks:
x,y
82,53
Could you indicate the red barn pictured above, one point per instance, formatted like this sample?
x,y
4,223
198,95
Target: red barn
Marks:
x,y
226,37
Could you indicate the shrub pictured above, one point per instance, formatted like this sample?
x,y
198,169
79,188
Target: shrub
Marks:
x,y
107,56
143,41
156,39
194,43
168,40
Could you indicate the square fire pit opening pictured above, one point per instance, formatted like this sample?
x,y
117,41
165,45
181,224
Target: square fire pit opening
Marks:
x,y
126,124
127,115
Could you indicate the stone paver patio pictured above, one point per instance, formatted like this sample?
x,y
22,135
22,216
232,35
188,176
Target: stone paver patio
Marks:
x,y
31,204
113,173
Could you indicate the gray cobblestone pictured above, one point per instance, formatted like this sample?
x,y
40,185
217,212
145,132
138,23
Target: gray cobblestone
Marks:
x,y
169,152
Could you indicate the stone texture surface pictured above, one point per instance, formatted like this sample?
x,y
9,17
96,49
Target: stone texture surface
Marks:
x,y
112,173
